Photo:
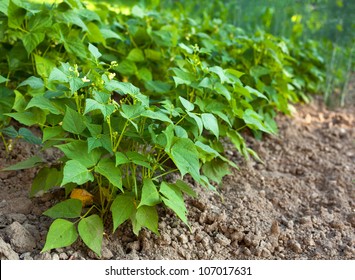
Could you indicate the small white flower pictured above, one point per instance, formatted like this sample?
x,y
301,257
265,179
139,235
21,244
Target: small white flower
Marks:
x,y
114,63
85,79
111,75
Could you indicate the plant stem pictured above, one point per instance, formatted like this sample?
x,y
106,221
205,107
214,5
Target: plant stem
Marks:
x,y
165,173
121,136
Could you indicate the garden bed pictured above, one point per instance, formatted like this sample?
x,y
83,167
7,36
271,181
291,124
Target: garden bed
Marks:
x,y
299,204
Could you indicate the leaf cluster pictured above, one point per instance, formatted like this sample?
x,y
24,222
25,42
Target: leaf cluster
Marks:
x,y
130,99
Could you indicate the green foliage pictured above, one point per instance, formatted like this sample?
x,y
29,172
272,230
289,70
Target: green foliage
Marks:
x,y
132,98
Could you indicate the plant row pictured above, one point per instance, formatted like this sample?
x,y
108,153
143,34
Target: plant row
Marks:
x,y
132,97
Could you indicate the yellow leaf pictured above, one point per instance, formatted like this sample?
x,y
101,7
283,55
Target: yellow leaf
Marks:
x,y
84,196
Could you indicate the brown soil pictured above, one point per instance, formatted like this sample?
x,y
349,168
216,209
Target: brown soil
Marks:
x,y
299,204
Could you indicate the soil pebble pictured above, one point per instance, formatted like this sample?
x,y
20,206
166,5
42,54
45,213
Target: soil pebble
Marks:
x,y
20,238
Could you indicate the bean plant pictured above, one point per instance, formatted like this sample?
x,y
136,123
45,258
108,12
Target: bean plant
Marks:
x,y
130,99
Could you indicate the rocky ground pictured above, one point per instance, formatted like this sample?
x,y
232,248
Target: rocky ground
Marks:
x,y
299,204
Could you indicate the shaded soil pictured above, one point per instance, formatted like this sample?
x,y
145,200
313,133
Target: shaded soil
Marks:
x,y
299,204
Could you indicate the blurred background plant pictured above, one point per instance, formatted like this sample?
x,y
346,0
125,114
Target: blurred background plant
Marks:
x,y
330,23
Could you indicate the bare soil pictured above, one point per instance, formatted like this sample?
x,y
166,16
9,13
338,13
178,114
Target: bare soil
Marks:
x,y
298,204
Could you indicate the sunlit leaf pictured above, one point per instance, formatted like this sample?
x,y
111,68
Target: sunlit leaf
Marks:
x,y
61,233
70,208
75,172
91,231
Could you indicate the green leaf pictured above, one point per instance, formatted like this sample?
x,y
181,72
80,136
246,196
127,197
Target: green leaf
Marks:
x,y
255,121
155,86
126,67
91,105
28,118
132,111
108,33
235,74
46,179
28,136
148,217
122,208
40,22
258,71
16,15
256,92
152,54
93,143
221,89
127,88
4,7
150,195
172,198
220,72
10,131
44,66
87,14
33,82
106,109
78,150
94,51
3,79
136,55
75,84
52,132
75,172
210,123
32,40
186,48
91,231
138,159
73,122
136,226
185,156
146,75
198,121
238,142
101,97
70,208
94,34
158,115
254,155
180,132
185,188
182,77
101,140
216,170
108,169
121,158
206,83
187,104
61,233
28,163
207,149
20,102
95,129
44,104
73,17
75,46
58,75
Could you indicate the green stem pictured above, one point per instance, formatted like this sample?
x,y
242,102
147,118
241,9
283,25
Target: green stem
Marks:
x,y
133,168
121,136
5,143
8,78
179,121
165,173
240,128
